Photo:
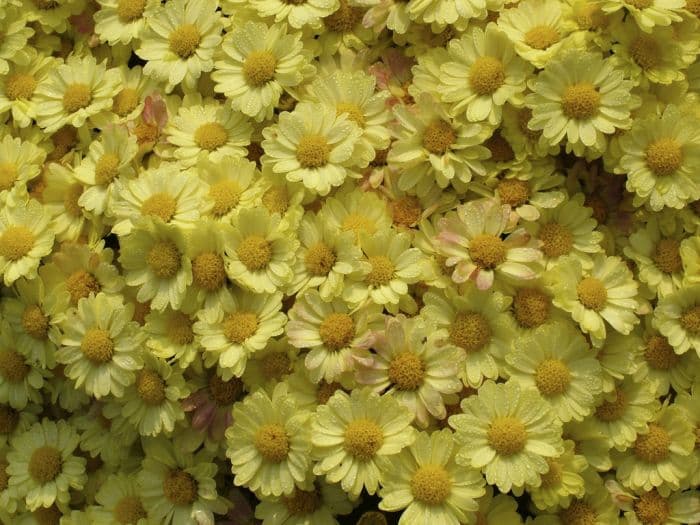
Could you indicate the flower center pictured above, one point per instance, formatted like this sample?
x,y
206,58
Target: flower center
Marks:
x,y
326,390
125,102
179,487
150,387
667,256
690,320
354,112
552,377
161,205
507,435
106,168
16,242
272,442
640,4
208,272
337,330
9,419
358,223
652,508
276,200
76,96
313,151
164,259
146,133
664,156
486,75
531,307
513,192
226,196
406,211
8,175
184,40
20,86
319,259
645,51
210,136
70,200
553,476
47,515
276,365
179,328
592,293
470,330
130,10
224,393
431,484
382,271
541,37
254,252
13,367
653,447
97,346
302,502
556,239
407,371
344,19
35,323
579,513
81,284
438,137
45,464
487,251
363,438
659,353
613,410
129,510
259,68
239,326
580,101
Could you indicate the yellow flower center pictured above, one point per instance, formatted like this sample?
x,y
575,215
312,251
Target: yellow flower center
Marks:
x,y
438,137
358,223
184,40
653,447
363,438
70,200
35,323
500,148
106,168
20,86
179,328
541,37
431,484
592,293
344,19
580,101
552,377
125,102
553,476
208,272
161,205
690,320
272,442
579,513
326,390
81,284
486,75
659,354
513,192
591,17
319,259
507,435
254,252
259,68
302,502
16,242
382,271
337,330
664,156
640,4
150,387
129,510
13,367
130,10
531,307
470,330
487,251
224,393
146,134
613,410
353,111
276,199
76,96
652,508
667,256
645,52
8,175
313,151
164,259
407,371
210,136
226,195
557,240
45,464
406,211
239,326
97,346
9,419
179,487
276,365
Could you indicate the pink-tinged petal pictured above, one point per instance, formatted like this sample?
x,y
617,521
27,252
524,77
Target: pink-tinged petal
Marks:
x,y
155,112
449,237
195,400
484,279
217,429
203,417
517,238
464,272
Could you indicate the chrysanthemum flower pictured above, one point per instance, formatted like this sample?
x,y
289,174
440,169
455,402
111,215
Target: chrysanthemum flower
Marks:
x,y
500,509
20,162
647,13
17,90
119,499
231,182
270,366
170,334
269,443
279,196
130,102
653,507
205,248
121,21
656,362
16,32
21,380
688,401
355,211
60,197
677,316
562,481
618,358
211,406
507,432
351,433
298,14
53,16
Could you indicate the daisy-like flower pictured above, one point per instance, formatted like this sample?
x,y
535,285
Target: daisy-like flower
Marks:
x,y
279,196
652,507
677,317
352,433
121,21
563,480
21,380
205,248
470,240
231,186
171,336
74,92
355,211
688,401
16,32
298,14
120,500
258,64
20,162
43,465
179,41
501,509
425,480
657,362
60,196
53,17
647,13
130,102
269,443
100,345
270,366
661,155
314,146
25,237
605,292
507,432
618,358
411,363
481,74
332,331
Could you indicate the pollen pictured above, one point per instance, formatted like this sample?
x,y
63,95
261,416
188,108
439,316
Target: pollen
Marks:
x,y
276,199
499,147
487,251
645,52
81,284
553,476
13,367
531,307
45,464
129,509
344,19
226,195
106,169
667,256
337,330
35,323
326,390
272,442
313,151
580,101
8,175
363,438
513,192
70,200
470,331
541,37
613,410
353,111
210,136
382,271
179,328
125,102
592,293
254,252
319,259
150,387
357,223
128,11
407,371
259,68
276,365
9,419
224,393
179,487
184,40
438,137
161,205
20,86
146,133
208,272
653,447
431,484
659,353
302,502
556,240
486,75
164,259
239,326
664,156
76,97
507,435
97,346
16,242
690,320
578,513
652,508
552,377
406,211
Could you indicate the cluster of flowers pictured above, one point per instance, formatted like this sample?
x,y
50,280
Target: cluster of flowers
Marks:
x,y
301,262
